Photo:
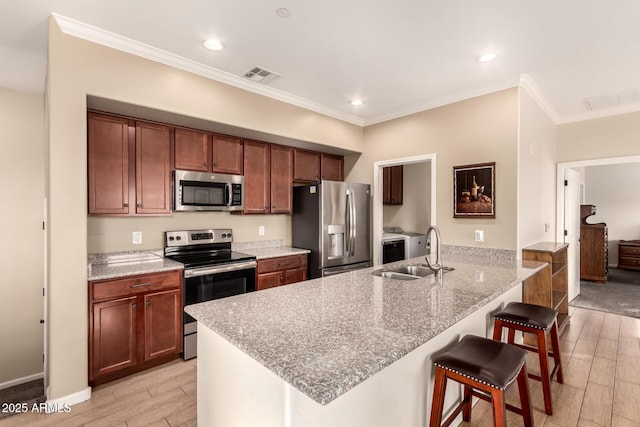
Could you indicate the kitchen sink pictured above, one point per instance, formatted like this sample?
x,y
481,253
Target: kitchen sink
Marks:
x,y
407,272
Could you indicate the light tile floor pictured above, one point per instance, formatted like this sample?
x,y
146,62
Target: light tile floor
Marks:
x,y
601,361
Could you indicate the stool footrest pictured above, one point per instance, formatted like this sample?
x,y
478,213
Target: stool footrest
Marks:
x,y
487,398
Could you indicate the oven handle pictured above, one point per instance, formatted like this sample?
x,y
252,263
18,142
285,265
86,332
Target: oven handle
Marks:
x,y
203,271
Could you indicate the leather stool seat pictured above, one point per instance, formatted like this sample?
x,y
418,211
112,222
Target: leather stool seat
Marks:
x,y
536,320
528,314
486,368
490,362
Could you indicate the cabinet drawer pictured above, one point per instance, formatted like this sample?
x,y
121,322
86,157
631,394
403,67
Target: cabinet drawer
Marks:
x,y
630,251
281,263
624,261
135,285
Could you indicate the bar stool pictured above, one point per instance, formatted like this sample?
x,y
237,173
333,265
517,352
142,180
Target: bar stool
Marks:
x,y
537,320
486,365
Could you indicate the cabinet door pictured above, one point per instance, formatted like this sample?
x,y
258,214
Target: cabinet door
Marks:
x,y
257,177
162,326
297,275
281,179
270,280
114,344
227,154
332,167
108,158
392,185
306,166
153,169
191,150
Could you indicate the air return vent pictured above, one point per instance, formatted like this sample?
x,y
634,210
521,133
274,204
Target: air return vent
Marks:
x,y
260,75
628,97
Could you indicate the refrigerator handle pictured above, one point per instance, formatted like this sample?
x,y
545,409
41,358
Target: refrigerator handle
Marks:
x,y
347,221
351,223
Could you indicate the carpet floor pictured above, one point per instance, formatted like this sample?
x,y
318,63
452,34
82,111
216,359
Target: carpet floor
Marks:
x,y
29,393
619,295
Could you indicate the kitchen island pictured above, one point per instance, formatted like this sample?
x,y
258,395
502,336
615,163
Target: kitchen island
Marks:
x,y
347,350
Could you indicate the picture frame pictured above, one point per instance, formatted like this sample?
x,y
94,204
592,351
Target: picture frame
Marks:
x,y
474,191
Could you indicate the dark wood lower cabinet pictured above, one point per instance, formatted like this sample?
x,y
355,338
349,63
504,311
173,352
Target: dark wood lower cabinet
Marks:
x,y
279,271
134,323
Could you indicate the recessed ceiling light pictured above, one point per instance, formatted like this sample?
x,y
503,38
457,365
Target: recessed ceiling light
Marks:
x,y
488,57
283,12
213,44
356,102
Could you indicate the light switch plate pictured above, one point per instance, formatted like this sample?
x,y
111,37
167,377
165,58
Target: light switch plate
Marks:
x,y
479,235
261,230
137,237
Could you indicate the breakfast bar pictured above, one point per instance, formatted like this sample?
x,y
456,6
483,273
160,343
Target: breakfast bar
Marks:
x,y
347,350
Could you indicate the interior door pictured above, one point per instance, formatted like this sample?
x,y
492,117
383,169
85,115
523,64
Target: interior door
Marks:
x,y
572,200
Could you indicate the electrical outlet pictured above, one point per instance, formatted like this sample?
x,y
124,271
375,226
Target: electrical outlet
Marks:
x,y
546,228
137,237
261,230
479,235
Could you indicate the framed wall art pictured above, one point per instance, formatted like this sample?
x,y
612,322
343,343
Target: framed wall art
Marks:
x,y
474,191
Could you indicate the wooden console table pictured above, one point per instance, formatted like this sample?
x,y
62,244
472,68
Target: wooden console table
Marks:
x,y
629,254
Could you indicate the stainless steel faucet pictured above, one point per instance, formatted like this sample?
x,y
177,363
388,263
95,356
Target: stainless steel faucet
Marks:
x,y
437,267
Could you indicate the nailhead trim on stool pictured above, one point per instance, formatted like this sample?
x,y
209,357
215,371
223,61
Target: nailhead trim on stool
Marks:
x,y
485,370
539,321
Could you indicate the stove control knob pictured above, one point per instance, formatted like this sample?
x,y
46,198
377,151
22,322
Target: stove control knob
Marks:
x,y
178,238
171,238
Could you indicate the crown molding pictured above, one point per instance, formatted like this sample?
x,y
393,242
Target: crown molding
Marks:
x,y
106,38
445,100
529,85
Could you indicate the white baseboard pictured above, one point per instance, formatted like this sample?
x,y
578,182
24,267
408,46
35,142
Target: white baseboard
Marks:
x,y
22,380
70,399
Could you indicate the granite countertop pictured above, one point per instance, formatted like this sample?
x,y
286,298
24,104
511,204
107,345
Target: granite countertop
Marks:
x,y
273,252
327,335
122,264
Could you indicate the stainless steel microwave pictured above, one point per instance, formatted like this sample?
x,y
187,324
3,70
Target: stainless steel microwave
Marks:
x,y
201,191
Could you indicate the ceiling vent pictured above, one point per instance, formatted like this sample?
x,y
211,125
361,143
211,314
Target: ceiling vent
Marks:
x,y
628,97
260,75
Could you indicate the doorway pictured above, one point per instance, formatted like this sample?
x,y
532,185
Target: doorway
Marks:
x,y
427,191
606,183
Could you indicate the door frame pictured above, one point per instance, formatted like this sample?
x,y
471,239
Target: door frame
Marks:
x,y
377,222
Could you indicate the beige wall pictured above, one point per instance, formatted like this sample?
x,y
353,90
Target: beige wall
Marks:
x,y
78,68
615,136
22,249
413,214
536,173
478,130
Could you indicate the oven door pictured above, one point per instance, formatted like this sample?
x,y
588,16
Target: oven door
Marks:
x,y
393,250
209,283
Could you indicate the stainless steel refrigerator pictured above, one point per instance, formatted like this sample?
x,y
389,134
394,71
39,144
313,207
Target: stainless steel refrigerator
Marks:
x,y
332,219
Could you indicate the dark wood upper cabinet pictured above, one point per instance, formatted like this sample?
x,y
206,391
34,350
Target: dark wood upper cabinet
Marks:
x,y
108,164
392,185
306,166
192,150
257,177
153,169
227,154
332,167
281,179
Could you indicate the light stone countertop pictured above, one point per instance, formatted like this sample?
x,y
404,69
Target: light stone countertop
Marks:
x,y
121,264
274,252
327,335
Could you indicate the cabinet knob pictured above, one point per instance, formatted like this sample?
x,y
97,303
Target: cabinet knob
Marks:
x,y
215,164
148,303
206,163
134,306
266,207
125,205
273,206
139,205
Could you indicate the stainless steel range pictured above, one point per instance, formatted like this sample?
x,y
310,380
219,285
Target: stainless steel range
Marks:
x,y
211,271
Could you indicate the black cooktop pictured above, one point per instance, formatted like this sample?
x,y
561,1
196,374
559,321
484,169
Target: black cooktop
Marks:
x,y
206,258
